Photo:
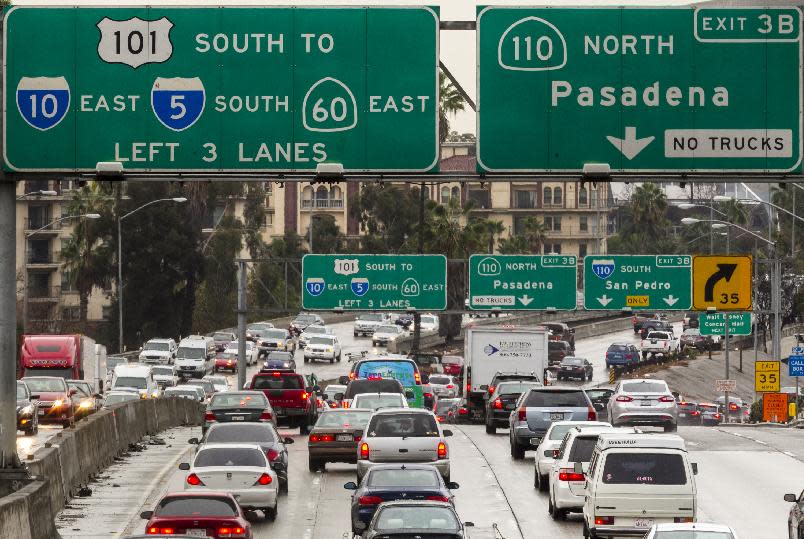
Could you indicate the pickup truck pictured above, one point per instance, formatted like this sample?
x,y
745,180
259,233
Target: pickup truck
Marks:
x,y
662,343
294,403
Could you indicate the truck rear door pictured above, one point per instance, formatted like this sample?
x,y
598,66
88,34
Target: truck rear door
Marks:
x,y
283,389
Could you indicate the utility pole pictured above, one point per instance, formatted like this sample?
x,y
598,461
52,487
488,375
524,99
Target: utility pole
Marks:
x,y
417,317
8,326
242,363
726,340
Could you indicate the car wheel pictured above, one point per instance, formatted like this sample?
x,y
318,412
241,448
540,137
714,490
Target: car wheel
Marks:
x,y
315,465
517,451
270,513
672,427
490,428
304,427
339,358
30,431
544,482
355,334
331,360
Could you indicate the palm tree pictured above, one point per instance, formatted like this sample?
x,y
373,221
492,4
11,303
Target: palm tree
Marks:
x,y
491,228
648,208
534,233
86,253
450,101
735,212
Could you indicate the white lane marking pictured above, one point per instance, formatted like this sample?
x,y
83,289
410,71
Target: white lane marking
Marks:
x,y
789,454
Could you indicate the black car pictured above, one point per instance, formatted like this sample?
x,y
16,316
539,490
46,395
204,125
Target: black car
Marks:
x,y
302,320
404,320
387,482
688,413
263,434
502,400
27,411
278,360
237,406
574,367
690,321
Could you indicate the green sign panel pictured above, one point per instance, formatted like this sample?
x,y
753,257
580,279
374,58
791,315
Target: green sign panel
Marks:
x,y
641,89
374,282
522,282
715,323
646,282
221,89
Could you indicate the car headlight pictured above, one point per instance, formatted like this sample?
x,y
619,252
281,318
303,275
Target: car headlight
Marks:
x,y
57,403
330,349
27,410
155,394
85,404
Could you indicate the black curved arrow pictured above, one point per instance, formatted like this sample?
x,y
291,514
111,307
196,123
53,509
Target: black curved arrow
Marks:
x,y
724,271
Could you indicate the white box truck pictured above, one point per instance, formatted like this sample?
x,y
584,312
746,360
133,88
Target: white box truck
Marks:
x,y
492,350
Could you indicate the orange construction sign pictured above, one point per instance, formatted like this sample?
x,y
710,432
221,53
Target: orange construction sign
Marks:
x,y
774,407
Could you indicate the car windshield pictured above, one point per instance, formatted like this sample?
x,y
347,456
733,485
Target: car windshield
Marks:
x,y
229,456
343,420
582,448
260,326
557,432
191,353
403,478
136,382
440,380
315,329
234,433
159,346
417,517
322,340
119,397
195,506
37,385
400,425
644,387
222,336
374,402
206,384
370,317
174,392
558,399
237,400
388,329
112,362
162,371
644,469
692,332
83,387
278,382
514,388
275,334
571,362
429,319
21,393
557,345
692,534
332,389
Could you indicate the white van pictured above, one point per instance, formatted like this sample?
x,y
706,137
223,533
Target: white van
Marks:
x,y
195,356
636,481
135,377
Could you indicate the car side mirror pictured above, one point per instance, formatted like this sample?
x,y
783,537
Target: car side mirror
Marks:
x,y
287,441
351,485
452,485
184,466
577,467
599,406
193,441
140,350
694,468
343,380
146,515
469,524
338,396
790,498
447,433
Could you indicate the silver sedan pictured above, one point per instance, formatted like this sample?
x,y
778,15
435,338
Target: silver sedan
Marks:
x,y
643,402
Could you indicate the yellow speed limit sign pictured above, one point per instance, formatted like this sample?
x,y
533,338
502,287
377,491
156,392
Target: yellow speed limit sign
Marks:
x,y
722,282
766,377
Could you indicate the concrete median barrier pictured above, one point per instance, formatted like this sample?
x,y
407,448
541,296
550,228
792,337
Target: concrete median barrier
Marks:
x,y
74,456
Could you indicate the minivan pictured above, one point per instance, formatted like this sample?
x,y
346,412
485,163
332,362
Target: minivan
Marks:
x,y
195,356
135,377
636,481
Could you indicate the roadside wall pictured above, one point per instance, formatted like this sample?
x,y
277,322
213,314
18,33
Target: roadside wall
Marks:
x,y
72,457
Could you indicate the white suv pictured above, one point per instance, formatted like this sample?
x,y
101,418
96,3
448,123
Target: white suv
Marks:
x,y
366,323
158,351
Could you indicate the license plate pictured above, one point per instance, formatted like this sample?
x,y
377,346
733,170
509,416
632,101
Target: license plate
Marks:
x,y
238,418
682,415
643,523
279,411
344,437
556,416
646,403
41,412
510,406
196,533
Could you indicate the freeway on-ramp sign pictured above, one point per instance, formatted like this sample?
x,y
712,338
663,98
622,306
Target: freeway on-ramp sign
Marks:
x,y
638,282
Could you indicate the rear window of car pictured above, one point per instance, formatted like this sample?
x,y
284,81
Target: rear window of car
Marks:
x,y
618,348
237,400
229,456
692,534
278,382
658,335
372,386
558,431
562,399
644,468
343,420
441,380
582,448
417,517
229,433
557,345
645,387
707,407
195,506
399,425
367,400
403,478
514,388
572,362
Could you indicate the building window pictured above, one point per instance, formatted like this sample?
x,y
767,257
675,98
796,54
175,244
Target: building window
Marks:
x,y
525,199
39,252
552,222
481,197
581,250
552,248
67,284
557,196
444,195
268,219
106,311
519,224
456,193
583,197
548,196
584,223
71,314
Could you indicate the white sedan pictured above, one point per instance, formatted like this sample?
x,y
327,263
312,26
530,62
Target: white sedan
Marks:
x,y
326,347
242,470
251,351
387,333
313,331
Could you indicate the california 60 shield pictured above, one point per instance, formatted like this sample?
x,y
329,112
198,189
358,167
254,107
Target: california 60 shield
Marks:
x,y
603,268
178,102
43,101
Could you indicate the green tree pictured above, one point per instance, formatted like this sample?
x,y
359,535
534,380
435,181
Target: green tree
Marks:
x,y
450,101
513,245
274,283
645,228
254,213
388,216
534,233
327,236
492,229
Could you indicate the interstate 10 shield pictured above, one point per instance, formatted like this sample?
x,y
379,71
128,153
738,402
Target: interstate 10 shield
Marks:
x,y
603,268
43,102
177,102
315,286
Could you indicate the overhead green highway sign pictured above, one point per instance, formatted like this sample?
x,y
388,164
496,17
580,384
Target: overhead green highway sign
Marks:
x,y
221,89
715,323
522,282
638,282
374,282
640,89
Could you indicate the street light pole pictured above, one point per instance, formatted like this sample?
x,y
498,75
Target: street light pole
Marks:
x,y
8,327
120,264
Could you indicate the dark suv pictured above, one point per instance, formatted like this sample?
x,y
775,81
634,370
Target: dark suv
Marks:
x,y
690,321
560,331
622,355
556,351
654,325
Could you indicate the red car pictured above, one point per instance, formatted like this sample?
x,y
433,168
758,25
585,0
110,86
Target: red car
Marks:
x,y
453,365
55,399
225,362
205,514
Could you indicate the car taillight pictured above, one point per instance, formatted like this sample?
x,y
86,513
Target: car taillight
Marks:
x,y
369,500
717,416
264,479
624,398
266,416
463,411
442,450
568,474
628,356
438,498
498,404
305,396
695,413
450,386
591,414
418,378
321,438
194,480
364,450
491,389
272,454
427,395
351,376
604,521
733,407
233,531
357,437
160,531
345,404
522,414
680,520
209,416
666,398
469,386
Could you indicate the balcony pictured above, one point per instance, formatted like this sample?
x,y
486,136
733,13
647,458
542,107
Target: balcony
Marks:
x,y
569,232
42,259
322,204
42,225
44,294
